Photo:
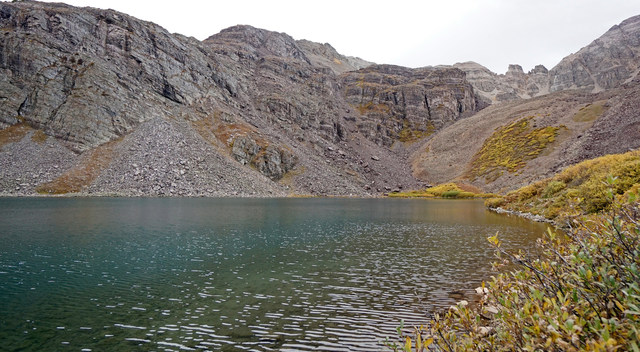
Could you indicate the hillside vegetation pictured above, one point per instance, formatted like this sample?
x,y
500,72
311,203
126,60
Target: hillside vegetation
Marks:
x,y
510,147
577,190
446,190
507,146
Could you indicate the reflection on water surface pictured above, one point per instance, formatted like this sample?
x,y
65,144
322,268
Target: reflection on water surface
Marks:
x,y
236,274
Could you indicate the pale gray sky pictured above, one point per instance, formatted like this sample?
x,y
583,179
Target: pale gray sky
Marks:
x,y
493,33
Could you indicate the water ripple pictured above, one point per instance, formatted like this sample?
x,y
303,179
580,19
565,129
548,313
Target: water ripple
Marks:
x,y
270,275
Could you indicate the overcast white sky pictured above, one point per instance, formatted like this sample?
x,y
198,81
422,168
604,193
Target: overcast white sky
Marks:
x,y
493,33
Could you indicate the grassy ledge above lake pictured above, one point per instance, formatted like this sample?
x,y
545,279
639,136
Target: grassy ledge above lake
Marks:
x,y
447,190
578,190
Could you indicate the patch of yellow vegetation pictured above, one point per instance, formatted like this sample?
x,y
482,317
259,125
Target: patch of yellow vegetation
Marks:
x,y
590,112
39,137
579,189
13,133
446,190
510,147
287,178
372,107
82,175
409,134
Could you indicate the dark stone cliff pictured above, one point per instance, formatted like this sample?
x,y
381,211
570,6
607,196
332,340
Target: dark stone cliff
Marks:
x,y
99,102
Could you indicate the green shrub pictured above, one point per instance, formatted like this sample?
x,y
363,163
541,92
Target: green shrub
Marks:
x,y
552,188
582,294
450,194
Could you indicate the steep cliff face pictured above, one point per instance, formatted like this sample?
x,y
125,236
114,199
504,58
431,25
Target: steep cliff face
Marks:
x,y
326,55
398,103
91,76
245,112
606,63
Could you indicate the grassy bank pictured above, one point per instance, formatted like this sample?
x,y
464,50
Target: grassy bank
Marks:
x,y
578,190
447,190
583,294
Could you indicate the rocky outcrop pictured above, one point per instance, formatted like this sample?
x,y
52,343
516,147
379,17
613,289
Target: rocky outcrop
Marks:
x,y
325,55
147,112
399,103
607,62
271,161
492,88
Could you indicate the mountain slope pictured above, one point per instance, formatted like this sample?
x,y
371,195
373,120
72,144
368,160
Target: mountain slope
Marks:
x,y
99,102
510,145
540,122
607,62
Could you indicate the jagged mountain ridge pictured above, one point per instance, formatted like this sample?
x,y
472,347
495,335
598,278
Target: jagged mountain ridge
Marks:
x,y
606,63
490,149
246,104
96,101
584,107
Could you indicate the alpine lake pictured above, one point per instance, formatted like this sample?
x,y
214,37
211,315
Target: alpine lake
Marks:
x,y
176,274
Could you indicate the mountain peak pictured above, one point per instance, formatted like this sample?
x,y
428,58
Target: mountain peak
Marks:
x,y
259,41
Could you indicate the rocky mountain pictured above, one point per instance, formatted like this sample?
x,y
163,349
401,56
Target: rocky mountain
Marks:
x,y
492,88
606,63
98,102
401,104
542,121
509,145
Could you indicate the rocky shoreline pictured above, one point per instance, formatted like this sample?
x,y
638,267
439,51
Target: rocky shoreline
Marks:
x,y
528,216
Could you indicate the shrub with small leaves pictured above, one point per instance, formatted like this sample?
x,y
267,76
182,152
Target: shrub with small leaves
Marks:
x,y
581,294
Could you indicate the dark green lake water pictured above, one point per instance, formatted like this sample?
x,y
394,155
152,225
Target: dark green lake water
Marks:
x,y
118,274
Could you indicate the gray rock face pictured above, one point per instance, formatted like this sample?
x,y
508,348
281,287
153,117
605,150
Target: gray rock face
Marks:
x,y
271,161
492,88
91,76
606,63
147,112
326,55
398,103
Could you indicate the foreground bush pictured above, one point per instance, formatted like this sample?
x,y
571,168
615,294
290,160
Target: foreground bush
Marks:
x,y
581,294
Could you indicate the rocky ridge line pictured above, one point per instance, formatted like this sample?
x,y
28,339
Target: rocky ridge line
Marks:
x,y
245,104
